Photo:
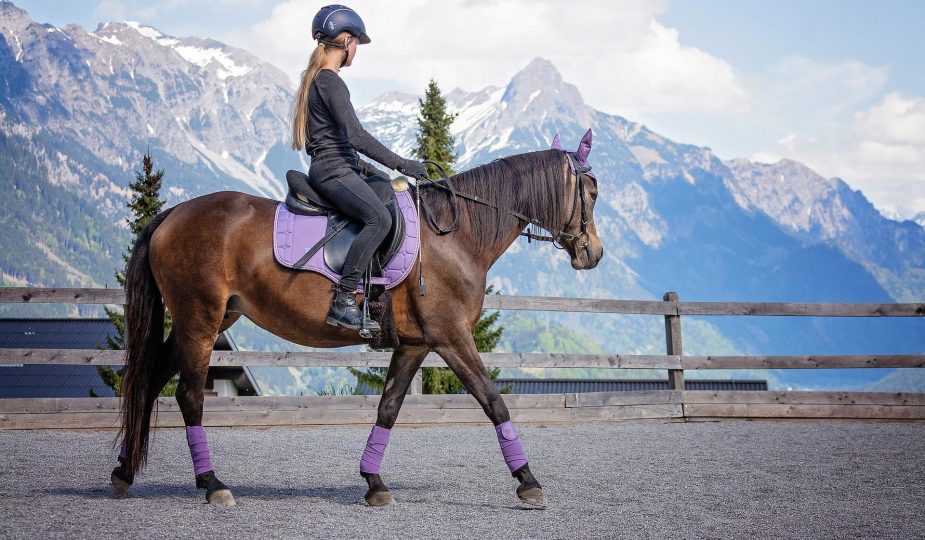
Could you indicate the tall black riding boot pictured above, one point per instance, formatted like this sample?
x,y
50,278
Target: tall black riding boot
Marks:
x,y
344,312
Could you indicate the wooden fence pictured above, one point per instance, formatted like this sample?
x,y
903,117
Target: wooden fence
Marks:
x,y
673,404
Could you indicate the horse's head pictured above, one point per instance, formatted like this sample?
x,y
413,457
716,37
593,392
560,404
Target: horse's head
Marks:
x,y
580,238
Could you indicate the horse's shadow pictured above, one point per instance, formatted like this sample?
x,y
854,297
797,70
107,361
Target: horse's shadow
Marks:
x,y
344,495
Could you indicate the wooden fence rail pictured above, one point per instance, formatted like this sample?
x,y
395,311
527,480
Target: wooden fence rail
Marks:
x,y
672,404
19,295
97,357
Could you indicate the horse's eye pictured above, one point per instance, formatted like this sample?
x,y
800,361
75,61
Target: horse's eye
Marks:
x,y
593,195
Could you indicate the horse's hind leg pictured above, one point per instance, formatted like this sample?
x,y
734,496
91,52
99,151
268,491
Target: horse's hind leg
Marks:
x,y
121,479
404,364
196,338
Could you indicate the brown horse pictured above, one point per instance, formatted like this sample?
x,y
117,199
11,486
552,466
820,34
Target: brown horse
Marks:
x,y
210,260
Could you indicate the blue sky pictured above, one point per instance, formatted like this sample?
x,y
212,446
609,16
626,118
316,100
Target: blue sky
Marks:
x,y
839,86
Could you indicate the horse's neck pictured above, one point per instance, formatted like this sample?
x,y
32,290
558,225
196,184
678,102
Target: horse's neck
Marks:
x,y
488,256
512,227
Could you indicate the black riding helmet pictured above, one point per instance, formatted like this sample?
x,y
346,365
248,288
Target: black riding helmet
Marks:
x,y
334,19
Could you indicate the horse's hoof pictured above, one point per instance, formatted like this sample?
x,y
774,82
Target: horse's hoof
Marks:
x,y
533,497
379,498
220,497
119,486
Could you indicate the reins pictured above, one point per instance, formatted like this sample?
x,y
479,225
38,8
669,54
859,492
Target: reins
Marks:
x,y
575,168
555,238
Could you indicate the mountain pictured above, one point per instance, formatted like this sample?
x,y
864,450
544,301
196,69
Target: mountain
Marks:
x,y
919,218
77,110
676,217
84,106
819,210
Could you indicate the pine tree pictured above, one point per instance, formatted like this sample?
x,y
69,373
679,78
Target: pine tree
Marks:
x,y
434,139
144,204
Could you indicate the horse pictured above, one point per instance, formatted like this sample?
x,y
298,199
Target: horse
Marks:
x,y
209,261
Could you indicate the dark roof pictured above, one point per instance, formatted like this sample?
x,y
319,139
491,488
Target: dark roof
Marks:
x,y
50,381
561,386
55,333
43,381
565,386
33,380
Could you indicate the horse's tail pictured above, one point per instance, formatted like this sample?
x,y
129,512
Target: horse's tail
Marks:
x,y
144,343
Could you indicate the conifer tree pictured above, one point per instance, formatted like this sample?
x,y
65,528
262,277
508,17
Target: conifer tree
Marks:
x,y
145,203
434,139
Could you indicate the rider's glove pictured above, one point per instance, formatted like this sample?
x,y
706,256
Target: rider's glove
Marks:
x,y
414,169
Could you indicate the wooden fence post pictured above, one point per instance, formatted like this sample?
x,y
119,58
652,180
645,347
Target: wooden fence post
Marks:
x,y
673,341
417,384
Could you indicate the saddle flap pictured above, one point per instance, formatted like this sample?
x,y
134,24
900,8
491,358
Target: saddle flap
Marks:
x,y
335,250
295,236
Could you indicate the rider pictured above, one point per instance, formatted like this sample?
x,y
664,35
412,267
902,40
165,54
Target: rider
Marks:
x,y
326,125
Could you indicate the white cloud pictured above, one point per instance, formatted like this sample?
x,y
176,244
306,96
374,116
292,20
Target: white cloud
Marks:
x,y
623,60
879,150
897,120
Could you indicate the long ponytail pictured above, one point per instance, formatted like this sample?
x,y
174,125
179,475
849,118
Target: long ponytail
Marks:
x,y
299,112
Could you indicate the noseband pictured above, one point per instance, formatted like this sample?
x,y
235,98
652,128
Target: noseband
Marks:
x,y
575,168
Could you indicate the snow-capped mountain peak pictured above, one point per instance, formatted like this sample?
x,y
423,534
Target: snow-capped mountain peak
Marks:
x,y
223,60
919,218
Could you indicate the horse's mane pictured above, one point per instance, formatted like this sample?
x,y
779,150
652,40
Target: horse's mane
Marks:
x,y
530,183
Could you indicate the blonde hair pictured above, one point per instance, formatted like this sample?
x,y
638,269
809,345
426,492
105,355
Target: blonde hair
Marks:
x,y
300,104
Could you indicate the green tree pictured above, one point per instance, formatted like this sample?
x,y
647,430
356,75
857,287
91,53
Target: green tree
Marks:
x,y
434,139
145,203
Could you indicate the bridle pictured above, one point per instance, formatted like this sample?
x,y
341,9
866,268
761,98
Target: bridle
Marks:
x,y
556,238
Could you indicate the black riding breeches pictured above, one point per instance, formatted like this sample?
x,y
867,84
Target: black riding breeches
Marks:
x,y
360,198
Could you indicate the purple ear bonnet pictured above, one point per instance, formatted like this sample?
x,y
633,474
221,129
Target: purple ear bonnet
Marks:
x,y
556,144
584,148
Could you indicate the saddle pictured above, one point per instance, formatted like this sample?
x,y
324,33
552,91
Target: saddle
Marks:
x,y
341,231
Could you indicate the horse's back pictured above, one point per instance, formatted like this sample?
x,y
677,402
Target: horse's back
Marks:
x,y
214,230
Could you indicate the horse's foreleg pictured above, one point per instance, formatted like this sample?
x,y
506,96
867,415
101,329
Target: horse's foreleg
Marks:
x,y
461,355
404,364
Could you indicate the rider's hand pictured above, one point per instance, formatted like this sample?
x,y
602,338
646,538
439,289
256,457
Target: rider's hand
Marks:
x,y
414,169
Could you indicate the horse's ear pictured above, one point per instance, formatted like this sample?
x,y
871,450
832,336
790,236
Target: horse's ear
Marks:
x,y
584,148
556,144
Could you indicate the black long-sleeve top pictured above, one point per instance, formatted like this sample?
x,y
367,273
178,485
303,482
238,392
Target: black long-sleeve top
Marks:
x,y
334,128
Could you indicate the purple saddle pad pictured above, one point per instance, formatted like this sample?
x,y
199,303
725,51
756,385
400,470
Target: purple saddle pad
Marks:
x,y
294,235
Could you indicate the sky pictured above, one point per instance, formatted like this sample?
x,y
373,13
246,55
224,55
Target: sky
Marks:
x,y
839,86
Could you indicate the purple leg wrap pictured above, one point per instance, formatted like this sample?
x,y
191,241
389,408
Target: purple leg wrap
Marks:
x,y
122,453
199,449
513,451
375,449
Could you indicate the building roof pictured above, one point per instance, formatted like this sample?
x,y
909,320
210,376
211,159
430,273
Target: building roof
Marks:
x,y
55,333
561,386
44,381
39,381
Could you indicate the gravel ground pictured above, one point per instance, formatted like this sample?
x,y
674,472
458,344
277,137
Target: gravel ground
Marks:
x,y
732,479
